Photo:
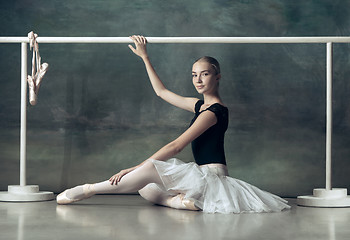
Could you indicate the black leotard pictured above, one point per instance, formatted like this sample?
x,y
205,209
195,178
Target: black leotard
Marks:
x,y
209,146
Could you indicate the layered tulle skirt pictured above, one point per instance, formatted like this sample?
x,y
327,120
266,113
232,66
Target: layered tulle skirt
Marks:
x,y
212,190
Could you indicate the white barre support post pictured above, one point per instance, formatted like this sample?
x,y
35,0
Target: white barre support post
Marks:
x,y
327,197
23,129
23,192
329,116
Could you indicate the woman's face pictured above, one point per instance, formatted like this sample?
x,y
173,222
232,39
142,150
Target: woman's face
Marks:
x,y
204,77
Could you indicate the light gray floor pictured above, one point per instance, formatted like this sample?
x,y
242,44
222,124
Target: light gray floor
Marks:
x,y
131,217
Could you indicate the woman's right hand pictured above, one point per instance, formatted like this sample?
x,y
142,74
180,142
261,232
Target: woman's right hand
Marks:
x,y
117,177
140,44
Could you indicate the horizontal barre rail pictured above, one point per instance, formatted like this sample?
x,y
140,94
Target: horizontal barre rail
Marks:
x,y
218,40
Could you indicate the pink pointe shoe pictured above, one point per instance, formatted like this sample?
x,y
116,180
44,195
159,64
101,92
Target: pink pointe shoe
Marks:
x,y
35,79
32,94
34,83
189,204
62,198
179,202
41,73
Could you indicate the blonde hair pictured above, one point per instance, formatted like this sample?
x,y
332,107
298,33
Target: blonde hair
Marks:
x,y
212,61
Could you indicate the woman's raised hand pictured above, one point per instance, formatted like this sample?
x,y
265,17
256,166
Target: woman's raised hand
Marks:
x,y
140,43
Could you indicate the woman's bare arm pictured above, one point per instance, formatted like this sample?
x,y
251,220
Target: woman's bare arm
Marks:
x,y
204,121
186,103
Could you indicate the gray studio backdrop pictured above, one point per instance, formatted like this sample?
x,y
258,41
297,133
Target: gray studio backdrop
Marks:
x,y
97,113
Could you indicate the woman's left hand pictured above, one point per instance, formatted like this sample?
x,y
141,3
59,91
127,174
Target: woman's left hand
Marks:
x,y
140,44
117,177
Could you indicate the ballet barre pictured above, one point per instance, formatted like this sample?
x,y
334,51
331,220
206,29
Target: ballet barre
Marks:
x,y
218,40
322,197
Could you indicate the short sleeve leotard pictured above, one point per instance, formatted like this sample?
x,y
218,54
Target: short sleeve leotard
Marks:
x,y
209,146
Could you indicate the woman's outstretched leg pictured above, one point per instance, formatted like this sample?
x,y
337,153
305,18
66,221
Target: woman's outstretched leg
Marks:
x,y
131,182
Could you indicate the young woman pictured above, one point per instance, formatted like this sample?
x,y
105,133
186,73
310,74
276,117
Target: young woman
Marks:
x,y
167,181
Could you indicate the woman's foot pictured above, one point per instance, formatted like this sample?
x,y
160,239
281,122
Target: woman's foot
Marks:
x,y
63,199
190,205
179,202
68,197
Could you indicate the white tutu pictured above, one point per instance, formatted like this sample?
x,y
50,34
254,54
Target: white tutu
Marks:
x,y
213,191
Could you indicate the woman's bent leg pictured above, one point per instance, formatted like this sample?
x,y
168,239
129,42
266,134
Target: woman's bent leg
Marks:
x,y
154,193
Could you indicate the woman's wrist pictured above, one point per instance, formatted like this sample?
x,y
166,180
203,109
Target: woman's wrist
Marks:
x,y
145,58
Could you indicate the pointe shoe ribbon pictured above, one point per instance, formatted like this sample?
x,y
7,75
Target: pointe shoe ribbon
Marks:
x,y
35,79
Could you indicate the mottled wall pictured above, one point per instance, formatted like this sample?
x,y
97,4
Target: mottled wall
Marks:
x,y
97,112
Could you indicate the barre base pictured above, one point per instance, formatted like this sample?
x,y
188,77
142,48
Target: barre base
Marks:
x,y
28,193
337,197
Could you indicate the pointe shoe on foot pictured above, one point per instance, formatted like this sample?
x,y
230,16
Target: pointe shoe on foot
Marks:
x,y
88,190
63,199
189,204
179,202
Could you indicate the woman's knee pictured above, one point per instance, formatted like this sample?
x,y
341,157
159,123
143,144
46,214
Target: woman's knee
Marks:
x,y
149,164
149,167
153,193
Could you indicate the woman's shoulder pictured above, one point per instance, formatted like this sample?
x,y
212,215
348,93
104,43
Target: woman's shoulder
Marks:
x,y
198,105
215,107
220,111
218,107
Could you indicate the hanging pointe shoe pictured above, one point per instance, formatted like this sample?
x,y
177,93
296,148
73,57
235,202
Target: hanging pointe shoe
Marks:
x,y
32,94
39,77
62,198
35,80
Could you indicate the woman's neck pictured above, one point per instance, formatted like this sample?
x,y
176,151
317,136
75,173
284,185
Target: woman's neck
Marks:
x,y
211,99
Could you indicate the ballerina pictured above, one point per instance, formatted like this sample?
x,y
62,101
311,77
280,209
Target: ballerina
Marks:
x,y
201,185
